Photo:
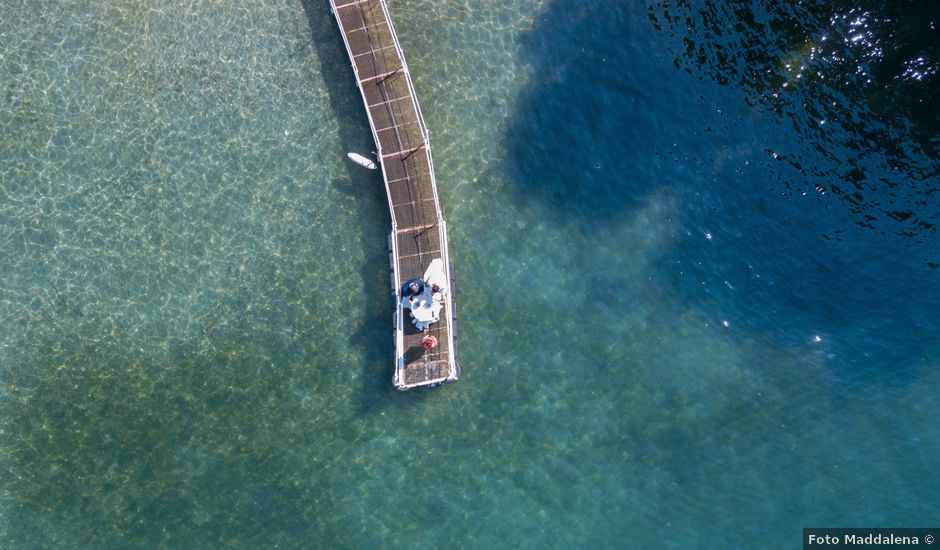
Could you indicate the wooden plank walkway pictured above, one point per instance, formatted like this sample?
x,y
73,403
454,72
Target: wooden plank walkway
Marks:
x,y
419,233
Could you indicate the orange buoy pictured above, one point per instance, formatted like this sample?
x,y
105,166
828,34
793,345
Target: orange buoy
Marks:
x,y
429,342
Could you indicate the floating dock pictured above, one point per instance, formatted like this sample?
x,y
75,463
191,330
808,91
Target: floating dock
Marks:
x,y
419,233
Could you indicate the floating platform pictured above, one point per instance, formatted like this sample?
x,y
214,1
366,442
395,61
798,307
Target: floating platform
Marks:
x,y
419,233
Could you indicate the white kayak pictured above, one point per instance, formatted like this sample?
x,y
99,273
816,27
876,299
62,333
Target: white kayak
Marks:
x,y
361,160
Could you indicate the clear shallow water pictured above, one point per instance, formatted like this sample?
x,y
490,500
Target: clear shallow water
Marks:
x,y
195,344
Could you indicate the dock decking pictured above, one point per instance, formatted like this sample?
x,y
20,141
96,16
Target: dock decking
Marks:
x,y
419,233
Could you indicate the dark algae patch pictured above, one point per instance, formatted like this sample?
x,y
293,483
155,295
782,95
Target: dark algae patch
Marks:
x,y
110,447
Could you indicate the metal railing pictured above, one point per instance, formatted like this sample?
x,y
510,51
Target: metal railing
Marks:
x,y
425,134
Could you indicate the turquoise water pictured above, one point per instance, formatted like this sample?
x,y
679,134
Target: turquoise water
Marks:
x,y
696,277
